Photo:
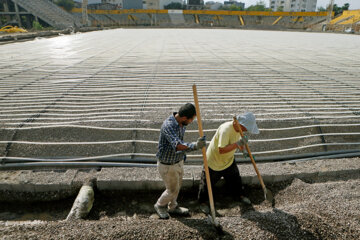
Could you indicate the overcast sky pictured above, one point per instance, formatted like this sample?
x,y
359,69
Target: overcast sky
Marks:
x,y
354,4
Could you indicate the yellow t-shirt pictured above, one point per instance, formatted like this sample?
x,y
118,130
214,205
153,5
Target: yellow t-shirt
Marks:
x,y
224,136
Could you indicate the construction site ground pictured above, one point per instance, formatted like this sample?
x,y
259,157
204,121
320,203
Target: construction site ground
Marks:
x,y
313,200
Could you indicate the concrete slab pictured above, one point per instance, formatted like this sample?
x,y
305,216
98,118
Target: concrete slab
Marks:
x,y
50,185
93,94
137,179
37,185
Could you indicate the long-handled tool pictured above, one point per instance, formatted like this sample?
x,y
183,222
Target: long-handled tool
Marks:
x,y
206,168
267,193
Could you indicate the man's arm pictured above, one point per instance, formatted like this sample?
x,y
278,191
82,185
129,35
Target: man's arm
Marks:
x,y
223,143
231,147
228,148
181,147
175,141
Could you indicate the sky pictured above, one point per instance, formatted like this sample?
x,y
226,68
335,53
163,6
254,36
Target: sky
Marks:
x,y
354,4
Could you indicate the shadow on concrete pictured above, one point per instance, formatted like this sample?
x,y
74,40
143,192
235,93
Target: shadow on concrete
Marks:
x,y
282,224
31,211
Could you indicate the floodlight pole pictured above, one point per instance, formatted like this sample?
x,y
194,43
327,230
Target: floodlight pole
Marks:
x,y
330,10
84,12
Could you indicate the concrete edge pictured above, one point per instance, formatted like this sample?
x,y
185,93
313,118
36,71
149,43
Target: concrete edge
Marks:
x,y
17,188
104,185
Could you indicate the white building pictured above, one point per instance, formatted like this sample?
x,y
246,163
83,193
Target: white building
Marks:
x,y
159,4
126,4
213,5
115,2
234,2
294,5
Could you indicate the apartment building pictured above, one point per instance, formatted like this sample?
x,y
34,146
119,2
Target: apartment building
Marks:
x,y
159,4
126,4
293,5
235,3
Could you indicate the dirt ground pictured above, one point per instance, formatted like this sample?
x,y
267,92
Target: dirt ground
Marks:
x,y
302,210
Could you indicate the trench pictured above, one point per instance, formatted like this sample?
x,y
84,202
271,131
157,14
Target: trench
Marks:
x,y
138,204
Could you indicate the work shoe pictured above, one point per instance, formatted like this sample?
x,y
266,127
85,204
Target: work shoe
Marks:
x,y
245,200
204,208
179,211
161,211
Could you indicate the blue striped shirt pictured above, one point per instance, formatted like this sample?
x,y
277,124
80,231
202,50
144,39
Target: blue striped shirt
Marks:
x,y
172,134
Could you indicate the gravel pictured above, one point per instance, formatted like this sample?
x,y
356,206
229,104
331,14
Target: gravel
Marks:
x,y
329,210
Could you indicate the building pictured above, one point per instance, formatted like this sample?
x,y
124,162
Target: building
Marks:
x,y
126,4
115,2
151,4
159,4
234,3
213,5
293,5
132,4
195,4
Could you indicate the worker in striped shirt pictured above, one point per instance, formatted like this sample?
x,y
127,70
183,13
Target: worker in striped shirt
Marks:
x,y
171,156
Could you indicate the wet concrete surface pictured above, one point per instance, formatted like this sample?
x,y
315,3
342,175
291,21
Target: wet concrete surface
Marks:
x,y
87,87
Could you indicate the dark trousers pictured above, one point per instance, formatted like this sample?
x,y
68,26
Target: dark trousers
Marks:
x,y
232,180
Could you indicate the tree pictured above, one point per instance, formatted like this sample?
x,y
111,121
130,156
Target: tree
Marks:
x,y
339,10
346,6
68,5
231,8
174,5
260,6
37,26
321,9
280,9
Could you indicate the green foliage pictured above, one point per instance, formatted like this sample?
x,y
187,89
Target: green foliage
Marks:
x,y
321,9
260,6
68,5
280,9
2,20
339,10
231,8
37,25
174,5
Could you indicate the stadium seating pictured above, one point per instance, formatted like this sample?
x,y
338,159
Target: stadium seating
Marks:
x,y
50,13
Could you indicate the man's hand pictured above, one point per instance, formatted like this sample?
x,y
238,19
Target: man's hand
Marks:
x,y
200,143
242,141
245,154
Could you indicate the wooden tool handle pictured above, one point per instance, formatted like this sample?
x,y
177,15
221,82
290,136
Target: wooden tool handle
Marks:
x,y
206,167
250,155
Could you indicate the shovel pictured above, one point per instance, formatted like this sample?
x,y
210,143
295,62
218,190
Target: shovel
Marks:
x,y
267,193
211,218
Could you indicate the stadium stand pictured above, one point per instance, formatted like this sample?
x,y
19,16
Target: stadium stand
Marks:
x,y
49,12
347,17
194,18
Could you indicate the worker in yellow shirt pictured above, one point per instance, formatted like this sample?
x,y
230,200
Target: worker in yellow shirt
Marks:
x,y
220,156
